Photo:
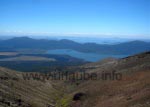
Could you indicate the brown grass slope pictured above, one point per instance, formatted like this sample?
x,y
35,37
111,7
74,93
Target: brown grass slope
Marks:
x,y
133,90
32,93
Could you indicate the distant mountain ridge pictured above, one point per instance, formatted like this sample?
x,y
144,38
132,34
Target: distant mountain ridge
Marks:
x,y
16,43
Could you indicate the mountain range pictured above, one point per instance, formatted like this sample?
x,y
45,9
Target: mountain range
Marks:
x,y
26,43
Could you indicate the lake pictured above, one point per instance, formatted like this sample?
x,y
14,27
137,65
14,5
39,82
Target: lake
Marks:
x,y
93,57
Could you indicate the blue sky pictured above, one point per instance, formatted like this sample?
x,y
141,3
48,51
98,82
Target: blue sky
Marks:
x,y
112,18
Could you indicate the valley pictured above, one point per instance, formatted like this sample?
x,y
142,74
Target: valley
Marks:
x,y
133,90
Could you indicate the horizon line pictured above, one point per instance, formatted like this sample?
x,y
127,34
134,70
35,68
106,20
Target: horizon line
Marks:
x,y
76,34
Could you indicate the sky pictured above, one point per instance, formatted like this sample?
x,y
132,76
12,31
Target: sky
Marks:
x,y
109,18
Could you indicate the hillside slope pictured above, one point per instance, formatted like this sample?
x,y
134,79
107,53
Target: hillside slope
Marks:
x,y
132,90
15,91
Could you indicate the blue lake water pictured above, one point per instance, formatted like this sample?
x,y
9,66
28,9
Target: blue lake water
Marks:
x,y
93,57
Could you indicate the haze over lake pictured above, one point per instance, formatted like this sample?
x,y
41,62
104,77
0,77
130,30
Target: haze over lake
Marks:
x,y
93,57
